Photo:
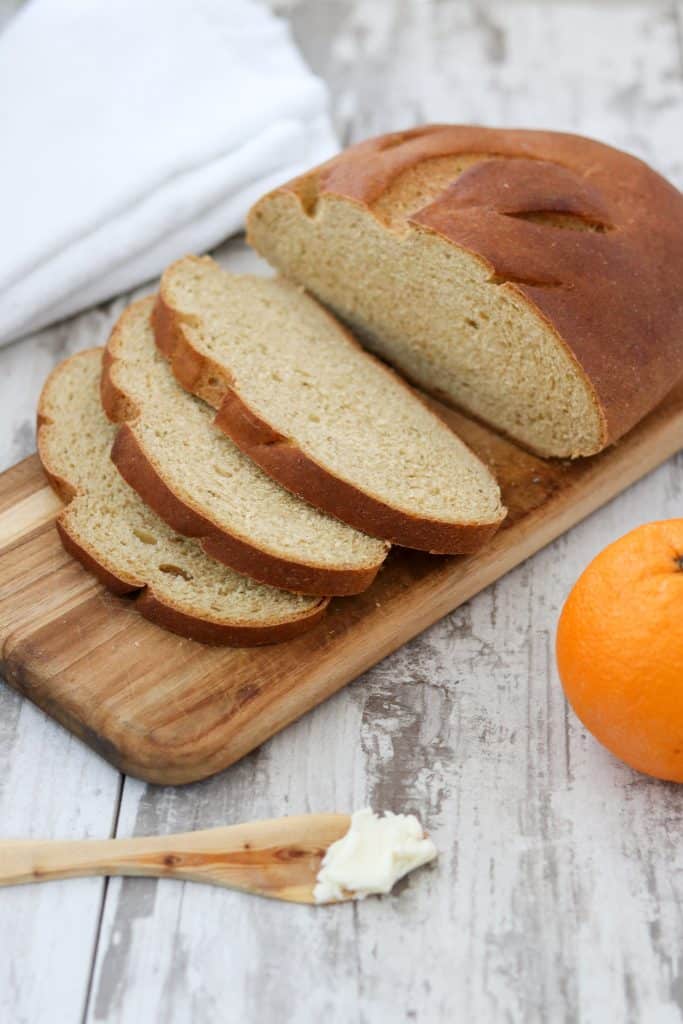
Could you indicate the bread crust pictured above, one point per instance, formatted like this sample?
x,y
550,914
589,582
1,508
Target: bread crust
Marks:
x,y
138,470
611,296
146,601
285,462
190,626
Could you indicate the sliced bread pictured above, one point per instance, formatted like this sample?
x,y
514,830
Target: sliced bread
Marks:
x,y
320,415
113,533
203,486
532,278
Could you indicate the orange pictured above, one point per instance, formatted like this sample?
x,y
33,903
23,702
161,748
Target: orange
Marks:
x,y
620,648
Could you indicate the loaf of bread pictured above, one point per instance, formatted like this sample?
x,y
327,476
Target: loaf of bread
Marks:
x,y
203,486
532,278
129,548
323,417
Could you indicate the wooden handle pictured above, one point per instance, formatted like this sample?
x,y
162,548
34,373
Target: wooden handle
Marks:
x,y
41,860
279,858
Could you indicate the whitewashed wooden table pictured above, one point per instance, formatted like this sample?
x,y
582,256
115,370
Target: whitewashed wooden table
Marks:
x,y
558,894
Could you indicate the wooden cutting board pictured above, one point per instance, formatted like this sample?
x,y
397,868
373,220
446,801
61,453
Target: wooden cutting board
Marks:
x,y
170,710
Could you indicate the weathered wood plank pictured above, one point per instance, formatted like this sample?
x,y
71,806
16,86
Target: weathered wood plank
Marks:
x,y
50,786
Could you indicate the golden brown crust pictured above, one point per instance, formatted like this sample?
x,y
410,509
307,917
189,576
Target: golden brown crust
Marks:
x,y
137,469
612,295
286,463
145,599
207,632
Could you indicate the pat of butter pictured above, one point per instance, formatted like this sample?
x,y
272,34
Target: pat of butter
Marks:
x,y
372,856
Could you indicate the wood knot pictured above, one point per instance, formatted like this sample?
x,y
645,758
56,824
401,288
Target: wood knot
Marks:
x,y
292,853
246,693
172,860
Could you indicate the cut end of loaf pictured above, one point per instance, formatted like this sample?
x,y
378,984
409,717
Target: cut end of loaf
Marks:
x,y
436,312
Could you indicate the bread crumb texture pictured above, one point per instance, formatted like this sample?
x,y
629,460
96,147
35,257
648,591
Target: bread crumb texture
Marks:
x,y
296,369
115,528
530,278
435,311
209,474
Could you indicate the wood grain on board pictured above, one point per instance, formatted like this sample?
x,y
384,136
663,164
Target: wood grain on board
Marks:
x,y
170,710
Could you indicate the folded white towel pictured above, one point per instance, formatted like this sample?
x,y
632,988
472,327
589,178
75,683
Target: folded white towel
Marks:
x,y
134,131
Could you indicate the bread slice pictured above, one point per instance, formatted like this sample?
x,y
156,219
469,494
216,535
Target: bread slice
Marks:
x,y
202,485
531,278
113,533
328,421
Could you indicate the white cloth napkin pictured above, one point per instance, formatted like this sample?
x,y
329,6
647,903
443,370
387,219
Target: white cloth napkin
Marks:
x,y
133,132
